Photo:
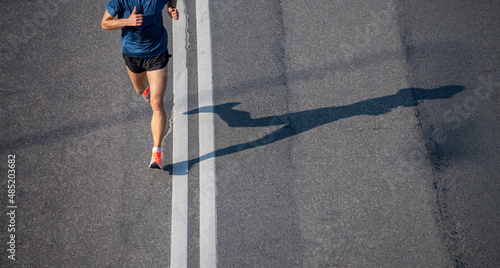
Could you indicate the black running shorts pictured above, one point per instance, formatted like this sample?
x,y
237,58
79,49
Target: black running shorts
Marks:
x,y
140,65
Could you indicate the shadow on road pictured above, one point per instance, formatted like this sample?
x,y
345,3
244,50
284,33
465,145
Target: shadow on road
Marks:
x,y
296,123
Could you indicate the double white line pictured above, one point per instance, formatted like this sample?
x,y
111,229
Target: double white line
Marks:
x,y
208,220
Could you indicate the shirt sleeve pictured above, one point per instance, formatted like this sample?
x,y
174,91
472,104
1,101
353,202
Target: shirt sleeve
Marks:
x,y
113,7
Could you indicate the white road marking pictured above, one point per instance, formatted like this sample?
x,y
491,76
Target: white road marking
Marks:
x,y
179,231
208,213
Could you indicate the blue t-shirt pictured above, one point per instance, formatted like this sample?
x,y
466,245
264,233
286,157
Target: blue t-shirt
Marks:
x,y
148,40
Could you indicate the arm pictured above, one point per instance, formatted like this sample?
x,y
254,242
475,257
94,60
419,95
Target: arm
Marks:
x,y
172,11
109,23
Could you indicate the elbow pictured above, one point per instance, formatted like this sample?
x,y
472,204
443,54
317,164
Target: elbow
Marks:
x,y
105,25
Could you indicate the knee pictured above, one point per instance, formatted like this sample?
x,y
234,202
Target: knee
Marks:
x,y
157,105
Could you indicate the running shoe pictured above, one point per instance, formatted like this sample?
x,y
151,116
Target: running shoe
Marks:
x,y
146,95
156,160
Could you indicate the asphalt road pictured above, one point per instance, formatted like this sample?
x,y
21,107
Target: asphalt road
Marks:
x,y
347,133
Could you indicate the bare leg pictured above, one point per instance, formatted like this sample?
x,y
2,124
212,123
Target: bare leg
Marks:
x,y
158,85
140,81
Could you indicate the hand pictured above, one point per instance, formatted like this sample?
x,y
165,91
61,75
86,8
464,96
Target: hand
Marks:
x,y
135,19
174,14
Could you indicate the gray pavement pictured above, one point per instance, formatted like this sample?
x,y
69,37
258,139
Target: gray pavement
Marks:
x,y
457,43
359,134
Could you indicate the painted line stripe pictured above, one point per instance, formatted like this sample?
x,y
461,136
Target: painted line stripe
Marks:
x,y
179,225
208,219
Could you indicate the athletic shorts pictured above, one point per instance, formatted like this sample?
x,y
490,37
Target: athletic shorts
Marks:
x,y
140,65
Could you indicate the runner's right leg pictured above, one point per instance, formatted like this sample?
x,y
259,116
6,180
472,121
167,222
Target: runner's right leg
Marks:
x,y
140,81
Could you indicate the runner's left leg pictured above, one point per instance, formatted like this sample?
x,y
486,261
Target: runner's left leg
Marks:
x,y
158,85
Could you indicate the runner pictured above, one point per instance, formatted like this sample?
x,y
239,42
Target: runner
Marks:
x,y
144,41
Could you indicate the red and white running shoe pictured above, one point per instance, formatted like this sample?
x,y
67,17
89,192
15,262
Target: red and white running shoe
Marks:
x,y
156,160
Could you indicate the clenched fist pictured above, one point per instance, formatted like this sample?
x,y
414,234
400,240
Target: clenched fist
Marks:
x,y
174,14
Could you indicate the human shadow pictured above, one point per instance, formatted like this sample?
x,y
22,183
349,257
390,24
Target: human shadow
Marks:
x,y
298,122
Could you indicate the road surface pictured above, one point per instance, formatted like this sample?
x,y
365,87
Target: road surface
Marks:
x,y
345,133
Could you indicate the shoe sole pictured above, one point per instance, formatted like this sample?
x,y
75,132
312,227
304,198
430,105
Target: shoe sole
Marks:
x,y
155,165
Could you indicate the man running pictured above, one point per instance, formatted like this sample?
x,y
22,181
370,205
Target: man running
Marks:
x,y
144,41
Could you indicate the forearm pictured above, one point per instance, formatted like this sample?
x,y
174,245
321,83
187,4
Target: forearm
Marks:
x,y
115,24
